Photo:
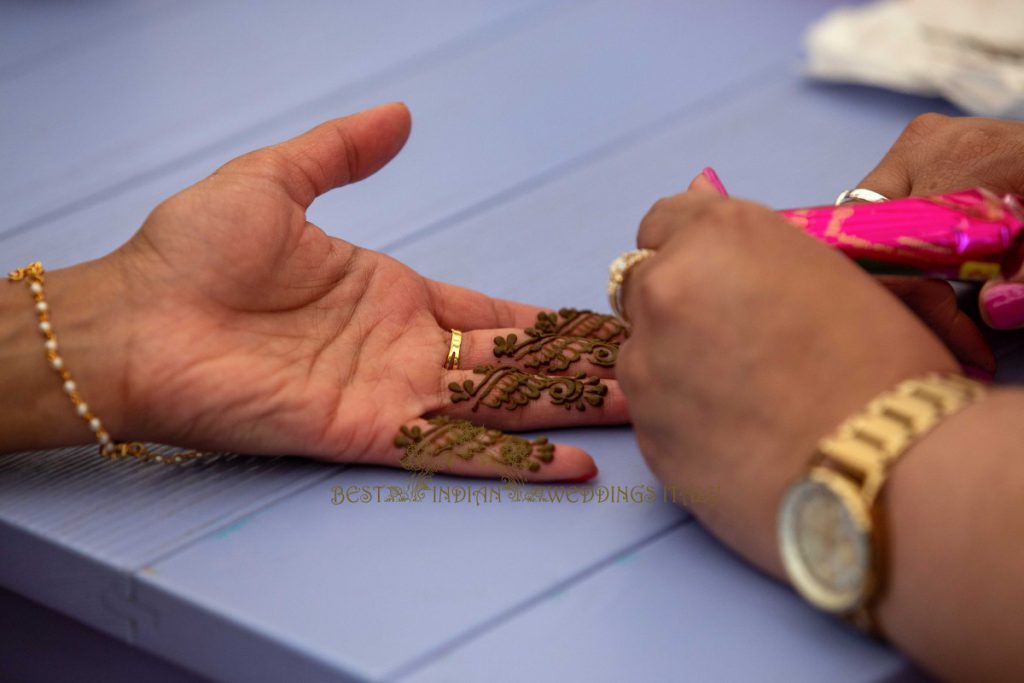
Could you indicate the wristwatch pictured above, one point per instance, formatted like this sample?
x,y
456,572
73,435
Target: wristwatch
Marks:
x,y
830,521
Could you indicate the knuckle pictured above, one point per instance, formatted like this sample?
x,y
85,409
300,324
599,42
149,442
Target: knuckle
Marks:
x,y
663,205
268,160
650,233
926,125
656,292
629,366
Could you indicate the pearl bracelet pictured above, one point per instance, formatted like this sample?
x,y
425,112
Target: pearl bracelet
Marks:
x,y
33,274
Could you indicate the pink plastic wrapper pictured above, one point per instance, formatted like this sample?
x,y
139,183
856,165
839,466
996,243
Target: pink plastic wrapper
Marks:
x,y
966,235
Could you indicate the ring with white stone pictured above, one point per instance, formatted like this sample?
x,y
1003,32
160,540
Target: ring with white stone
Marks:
x,y
860,194
617,273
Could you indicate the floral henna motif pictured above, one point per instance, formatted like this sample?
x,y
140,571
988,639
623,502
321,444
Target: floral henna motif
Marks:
x,y
512,388
554,353
557,341
449,437
570,322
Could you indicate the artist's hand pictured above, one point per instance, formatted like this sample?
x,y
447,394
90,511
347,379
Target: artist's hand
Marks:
x,y
937,154
252,330
933,301
750,342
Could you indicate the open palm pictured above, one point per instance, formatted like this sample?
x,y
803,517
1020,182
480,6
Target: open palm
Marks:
x,y
260,333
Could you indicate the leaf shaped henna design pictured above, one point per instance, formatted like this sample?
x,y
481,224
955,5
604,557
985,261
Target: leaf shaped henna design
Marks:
x,y
554,353
449,437
560,340
512,388
570,322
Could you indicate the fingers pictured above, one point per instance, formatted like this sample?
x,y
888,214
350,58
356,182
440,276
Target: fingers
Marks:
x,y
891,177
707,181
539,353
448,445
934,302
333,154
1002,304
466,309
662,221
506,397
670,215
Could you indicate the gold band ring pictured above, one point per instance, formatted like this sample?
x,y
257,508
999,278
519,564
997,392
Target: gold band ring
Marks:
x,y
860,194
617,273
451,361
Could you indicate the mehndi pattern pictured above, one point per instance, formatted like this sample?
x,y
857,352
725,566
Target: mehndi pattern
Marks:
x,y
504,386
431,449
559,340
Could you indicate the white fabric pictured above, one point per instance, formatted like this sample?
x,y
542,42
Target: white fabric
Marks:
x,y
968,51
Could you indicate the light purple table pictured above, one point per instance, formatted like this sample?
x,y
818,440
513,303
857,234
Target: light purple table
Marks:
x,y
544,129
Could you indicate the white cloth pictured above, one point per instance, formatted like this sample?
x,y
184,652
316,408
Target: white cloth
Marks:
x,y
969,51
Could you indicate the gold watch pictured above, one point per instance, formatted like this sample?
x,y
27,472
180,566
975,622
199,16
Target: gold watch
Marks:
x,y
830,522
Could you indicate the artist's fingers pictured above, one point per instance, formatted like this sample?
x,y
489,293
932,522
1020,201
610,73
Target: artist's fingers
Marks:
x,y
708,182
891,177
511,399
454,446
1002,303
887,180
466,309
934,302
550,355
669,215
664,218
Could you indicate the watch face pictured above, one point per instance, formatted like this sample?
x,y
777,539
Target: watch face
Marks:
x,y
824,530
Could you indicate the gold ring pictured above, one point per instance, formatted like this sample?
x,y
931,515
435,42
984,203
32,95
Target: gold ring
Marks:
x,y
451,361
617,273
860,194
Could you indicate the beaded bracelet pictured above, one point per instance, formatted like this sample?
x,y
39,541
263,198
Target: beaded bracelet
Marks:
x,y
33,274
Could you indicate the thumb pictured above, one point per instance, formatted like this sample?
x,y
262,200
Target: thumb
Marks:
x,y
333,154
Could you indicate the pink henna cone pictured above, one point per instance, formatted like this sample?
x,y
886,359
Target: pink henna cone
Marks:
x,y
1004,305
966,235
715,181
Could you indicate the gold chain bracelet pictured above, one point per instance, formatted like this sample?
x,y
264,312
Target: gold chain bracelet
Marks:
x,y
33,274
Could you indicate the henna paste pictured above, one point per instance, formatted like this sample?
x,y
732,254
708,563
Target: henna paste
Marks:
x,y
557,341
512,388
451,437
570,322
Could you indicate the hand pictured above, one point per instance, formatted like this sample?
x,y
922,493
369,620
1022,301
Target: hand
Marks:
x,y
937,154
933,301
750,342
252,330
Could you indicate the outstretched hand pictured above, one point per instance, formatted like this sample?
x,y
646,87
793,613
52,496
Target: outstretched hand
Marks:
x,y
257,332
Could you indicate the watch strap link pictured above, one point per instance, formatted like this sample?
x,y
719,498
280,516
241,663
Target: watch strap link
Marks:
x,y
867,444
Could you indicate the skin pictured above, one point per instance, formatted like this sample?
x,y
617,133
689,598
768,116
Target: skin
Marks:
x,y
937,154
732,384
230,322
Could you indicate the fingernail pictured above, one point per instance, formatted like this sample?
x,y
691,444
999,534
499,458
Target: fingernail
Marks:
x,y
713,178
1004,305
980,374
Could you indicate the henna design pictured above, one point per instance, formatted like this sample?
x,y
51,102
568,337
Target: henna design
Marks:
x,y
555,353
452,437
559,340
512,388
570,322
